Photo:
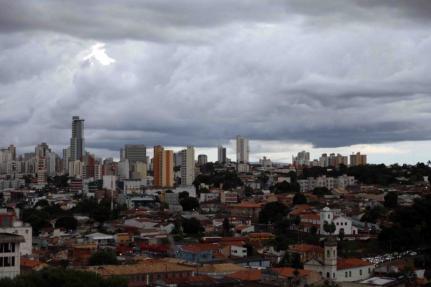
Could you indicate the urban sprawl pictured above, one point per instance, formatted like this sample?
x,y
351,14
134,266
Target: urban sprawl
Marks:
x,y
177,219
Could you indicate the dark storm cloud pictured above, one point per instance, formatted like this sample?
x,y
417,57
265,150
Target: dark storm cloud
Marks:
x,y
331,73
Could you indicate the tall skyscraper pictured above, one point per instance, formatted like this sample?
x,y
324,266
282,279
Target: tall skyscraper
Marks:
x,y
221,154
242,150
77,139
188,166
163,167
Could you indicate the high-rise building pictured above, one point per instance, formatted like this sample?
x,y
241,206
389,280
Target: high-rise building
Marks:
x,y
358,159
221,154
77,139
188,166
242,150
202,159
42,151
163,167
135,152
302,158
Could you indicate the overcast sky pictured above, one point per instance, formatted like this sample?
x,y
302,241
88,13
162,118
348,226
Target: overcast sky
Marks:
x,y
325,76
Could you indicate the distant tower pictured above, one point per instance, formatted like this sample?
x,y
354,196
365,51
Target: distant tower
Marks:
x,y
242,150
221,154
77,139
330,257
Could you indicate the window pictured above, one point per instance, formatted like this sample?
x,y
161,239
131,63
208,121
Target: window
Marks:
x,y
350,273
369,270
360,272
345,274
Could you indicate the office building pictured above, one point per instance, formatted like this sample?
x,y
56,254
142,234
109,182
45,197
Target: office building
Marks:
x,y
221,154
77,140
135,152
188,166
242,150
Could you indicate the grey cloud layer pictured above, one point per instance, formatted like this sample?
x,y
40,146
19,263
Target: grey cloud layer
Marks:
x,y
203,71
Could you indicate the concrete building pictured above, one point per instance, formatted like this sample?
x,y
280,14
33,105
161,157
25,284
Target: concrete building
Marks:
x,y
301,159
221,154
77,147
358,159
242,150
163,167
10,255
202,159
188,166
10,224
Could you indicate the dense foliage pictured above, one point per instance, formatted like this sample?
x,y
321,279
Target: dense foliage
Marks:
x,y
103,257
411,227
62,278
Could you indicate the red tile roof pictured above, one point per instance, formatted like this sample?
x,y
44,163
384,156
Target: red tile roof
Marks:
x,y
305,248
247,275
347,263
290,272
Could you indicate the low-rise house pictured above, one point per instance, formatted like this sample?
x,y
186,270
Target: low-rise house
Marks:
x,y
198,252
146,272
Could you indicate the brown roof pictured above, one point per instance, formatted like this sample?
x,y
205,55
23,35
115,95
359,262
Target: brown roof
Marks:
x,y
200,247
347,263
247,275
221,268
143,267
305,248
290,272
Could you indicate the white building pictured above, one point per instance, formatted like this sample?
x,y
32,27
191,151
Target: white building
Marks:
x,y
340,221
339,269
10,255
242,150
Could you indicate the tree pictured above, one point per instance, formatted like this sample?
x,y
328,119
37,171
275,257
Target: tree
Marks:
x,y
55,277
192,226
329,227
103,257
391,199
226,227
67,222
272,212
189,203
299,198
321,191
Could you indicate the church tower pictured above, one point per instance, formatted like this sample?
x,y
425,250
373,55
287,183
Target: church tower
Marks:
x,y
330,257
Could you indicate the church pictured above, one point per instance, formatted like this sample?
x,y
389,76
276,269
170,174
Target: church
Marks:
x,y
339,269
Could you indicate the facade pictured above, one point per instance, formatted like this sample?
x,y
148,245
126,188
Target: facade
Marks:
x,y
77,140
163,167
341,222
301,159
10,255
358,159
221,154
188,166
9,224
242,150
202,159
